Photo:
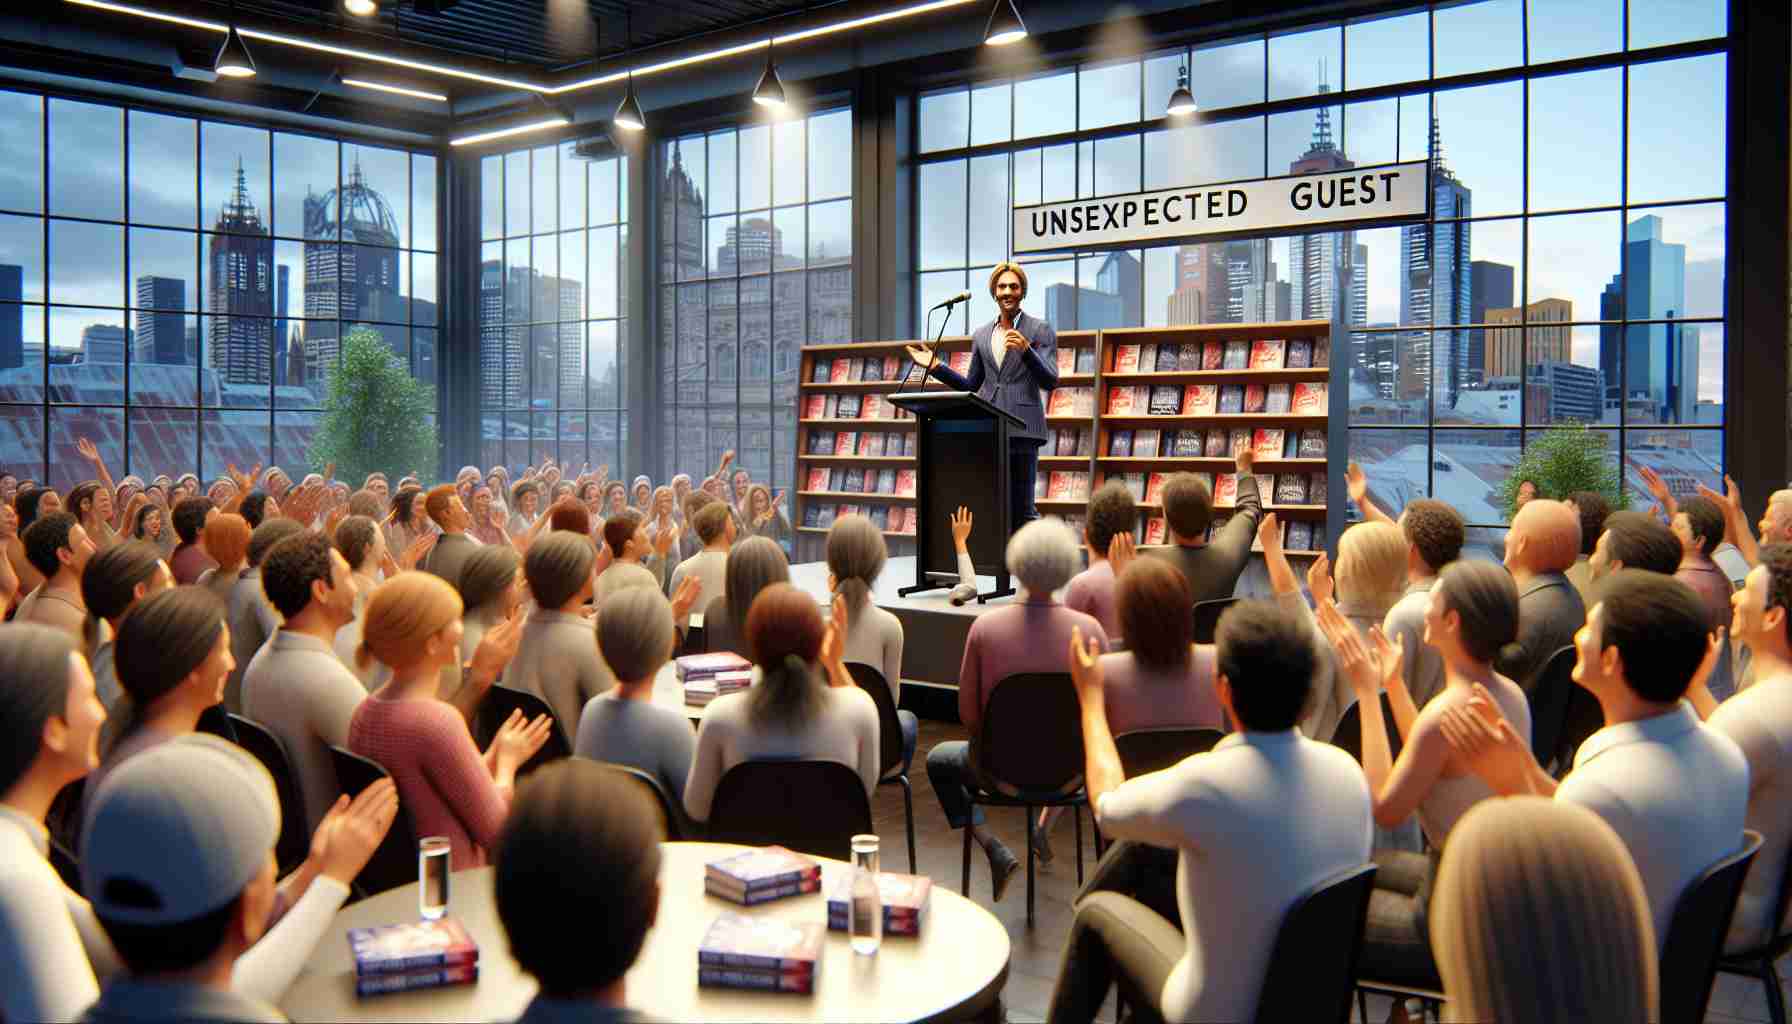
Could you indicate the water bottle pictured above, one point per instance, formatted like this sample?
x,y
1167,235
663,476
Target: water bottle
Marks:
x,y
865,914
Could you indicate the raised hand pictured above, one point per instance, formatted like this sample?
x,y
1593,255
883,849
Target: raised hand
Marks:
x,y
1269,534
1245,458
833,641
497,647
331,521
1657,487
415,551
347,836
961,527
685,597
88,450
329,472
1121,551
1319,578
1356,483
1085,666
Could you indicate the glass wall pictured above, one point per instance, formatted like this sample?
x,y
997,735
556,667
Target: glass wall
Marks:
x,y
178,290
1572,270
552,308
755,262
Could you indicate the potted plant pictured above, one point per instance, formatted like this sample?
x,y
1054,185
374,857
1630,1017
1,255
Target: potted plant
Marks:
x,y
1564,459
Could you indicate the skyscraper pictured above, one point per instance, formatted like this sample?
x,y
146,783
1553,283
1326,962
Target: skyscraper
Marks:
x,y
1507,350
104,343
240,266
12,316
1115,301
351,271
1489,287
161,321
282,289
1435,281
1200,293
1250,288
1660,362
1316,262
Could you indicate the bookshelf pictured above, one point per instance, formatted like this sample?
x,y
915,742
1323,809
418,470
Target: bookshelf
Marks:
x,y
1066,464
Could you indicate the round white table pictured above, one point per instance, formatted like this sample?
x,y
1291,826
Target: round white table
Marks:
x,y
668,693
953,971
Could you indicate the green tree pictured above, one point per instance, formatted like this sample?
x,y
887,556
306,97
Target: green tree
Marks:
x,y
376,415
1565,459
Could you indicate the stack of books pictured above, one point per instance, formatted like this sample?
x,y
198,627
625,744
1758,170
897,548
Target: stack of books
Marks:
x,y
402,957
758,876
700,690
905,899
760,953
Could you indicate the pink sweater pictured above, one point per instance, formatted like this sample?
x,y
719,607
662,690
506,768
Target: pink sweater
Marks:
x,y
441,777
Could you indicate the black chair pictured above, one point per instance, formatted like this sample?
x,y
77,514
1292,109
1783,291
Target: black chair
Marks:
x,y
394,862
1695,939
67,865
216,721
63,820
294,844
1034,760
1207,617
1583,718
813,807
672,816
1143,751
1548,697
1758,963
1312,969
889,738
497,705
1349,736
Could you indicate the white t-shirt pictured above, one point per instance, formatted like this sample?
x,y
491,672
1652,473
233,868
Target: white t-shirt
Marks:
x,y
1759,720
1674,791
1258,820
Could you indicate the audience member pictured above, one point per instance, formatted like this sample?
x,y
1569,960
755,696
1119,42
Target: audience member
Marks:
x,y
189,560
1538,915
556,659
525,499
363,546
120,577
1593,509
491,588
636,636
488,524
1540,547
295,685
226,541
1634,540
625,534
764,515
714,529
661,518
252,618
1434,535
451,517
1698,525
30,503
754,564
1675,791
91,505
570,517
1258,820
791,713
258,507
59,550
9,580
640,494
581,842
1027,636
856,555
1111,514
408,521
1163,680
412,625
1211,568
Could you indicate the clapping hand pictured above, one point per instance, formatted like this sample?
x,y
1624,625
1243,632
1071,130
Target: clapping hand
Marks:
x,y
1487,745
496,648
1366,665
1085,667
517,740
1121,551
345,839
686,596
1269,534
415,551
833,641
1319,578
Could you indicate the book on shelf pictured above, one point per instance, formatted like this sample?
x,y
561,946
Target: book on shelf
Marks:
x,y
813,406
1291,489
1266,354
1145,443
1166,400
1120,443
1280,397
905,483
411,981
1147,358
848,408
1225,489
848,509
908,521
879,516
960,361
893,367
1267,442
811,516
1239,437
874,444
821,442
1200,399
1237,355
766,943
1168,359
1300,354
1066,441
1120,400
1041,483
1154,531
1256,398
1059,403
841,372
1057,486
1213,355
1085,360
412,946
1066,360
1322,353
886,481
1215,444
1188,355
846,442
1231,398
1299,536
1079,485
821,371
1134,483
905,901
1082,401
871,407
820,479
1154,489
1312,443
908,444
826,517
874,369
1126,359
1317,488
1309,399
853,480
855,370
1290,444
1188,445
830,407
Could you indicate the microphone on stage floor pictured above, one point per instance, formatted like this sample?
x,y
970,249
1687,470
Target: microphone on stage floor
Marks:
x,y
953,301
962,593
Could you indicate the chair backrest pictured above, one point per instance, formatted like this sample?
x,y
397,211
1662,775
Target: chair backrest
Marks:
x,y
67,865
215,721
813,807
294,843
1143,751
1207,617
394,863
1581,718
1695,938
1349,735
671,815
1031,740
497,705
1312,969
889,728
1548,696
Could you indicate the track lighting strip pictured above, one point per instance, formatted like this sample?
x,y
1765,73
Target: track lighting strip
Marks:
x,y
361,83
504,133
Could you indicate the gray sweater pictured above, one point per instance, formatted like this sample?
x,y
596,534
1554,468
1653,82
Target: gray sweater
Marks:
x,y
641,735
557,660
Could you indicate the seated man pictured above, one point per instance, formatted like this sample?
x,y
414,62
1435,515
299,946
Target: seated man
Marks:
x,y
1540,548
1434,535
1258,820
582,840
1111,513
1634,540
58,548
1211,568
1675,791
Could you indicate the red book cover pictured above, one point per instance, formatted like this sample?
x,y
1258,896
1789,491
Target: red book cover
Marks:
x,y
392,948
841,372
813,406
1266,354
1066,360
1309,399
819,479
872,408
960,361
1154,531
1120,401
736,940
892,367
905,483
1062,402
1154,489
1256,397
1058,487
1126,359
1225,489
1268,443
1200,400
799,982
1213,356
407,981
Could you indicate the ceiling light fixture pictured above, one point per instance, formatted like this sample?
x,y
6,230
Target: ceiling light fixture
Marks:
x,y
233,60
770,90
628,114
504,133
1004,25
397,90
361,8
1182,102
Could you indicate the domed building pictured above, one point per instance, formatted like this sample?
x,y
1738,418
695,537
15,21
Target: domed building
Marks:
x,y
352,272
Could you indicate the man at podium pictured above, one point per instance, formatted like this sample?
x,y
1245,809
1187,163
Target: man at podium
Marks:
x,y
1014,362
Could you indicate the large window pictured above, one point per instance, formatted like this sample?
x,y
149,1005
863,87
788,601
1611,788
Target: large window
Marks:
x,y
1572,270
755,262
552,308
178,290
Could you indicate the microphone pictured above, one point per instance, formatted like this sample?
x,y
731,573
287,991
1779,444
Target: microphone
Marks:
x,y
953,301
962,593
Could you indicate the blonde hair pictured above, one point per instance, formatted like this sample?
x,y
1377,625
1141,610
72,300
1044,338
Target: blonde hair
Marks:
x,y
999,269
403,613
1538,915
1372,565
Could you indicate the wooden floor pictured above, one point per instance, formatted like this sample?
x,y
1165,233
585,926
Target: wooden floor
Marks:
x,y
1034,966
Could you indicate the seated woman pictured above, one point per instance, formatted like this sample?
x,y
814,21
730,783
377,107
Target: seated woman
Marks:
x,y
792,713
636,636
1539,915
412,626
754,564
117,578
225,538
556,660
491,589
363,546
856,555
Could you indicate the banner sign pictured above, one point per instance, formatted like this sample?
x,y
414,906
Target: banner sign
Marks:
x,y
1267,206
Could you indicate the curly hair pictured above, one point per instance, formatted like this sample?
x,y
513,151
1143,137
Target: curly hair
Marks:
x,y
1436,529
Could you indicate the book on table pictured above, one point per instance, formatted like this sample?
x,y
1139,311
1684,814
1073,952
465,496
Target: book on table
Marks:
x,y
409,981
413,955
905,900
689,666
759,870
740,951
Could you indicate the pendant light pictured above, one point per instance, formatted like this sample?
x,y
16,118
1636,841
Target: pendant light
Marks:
x,y
770,90
1004,25
628,114
1182,101
233,60
361,8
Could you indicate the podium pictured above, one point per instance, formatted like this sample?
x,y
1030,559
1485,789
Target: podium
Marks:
x,y
961,458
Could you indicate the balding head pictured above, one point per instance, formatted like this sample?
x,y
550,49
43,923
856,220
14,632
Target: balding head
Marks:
x,y
1545,537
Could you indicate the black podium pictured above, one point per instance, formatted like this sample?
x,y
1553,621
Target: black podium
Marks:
x,y
961,458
